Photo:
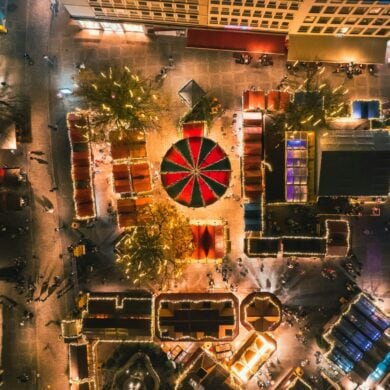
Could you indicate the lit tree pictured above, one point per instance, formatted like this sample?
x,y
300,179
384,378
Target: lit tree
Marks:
x,y
316,102
156,250
120,99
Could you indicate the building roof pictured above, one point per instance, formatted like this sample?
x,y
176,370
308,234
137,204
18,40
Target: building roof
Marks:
x,y
325,48
196,316
354,173
206,372
121,315
191,93
261,246
304,245
78,362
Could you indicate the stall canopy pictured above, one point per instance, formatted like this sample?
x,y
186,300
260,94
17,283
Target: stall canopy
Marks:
x,y
366,109
336,49
191,93
208,241
236,41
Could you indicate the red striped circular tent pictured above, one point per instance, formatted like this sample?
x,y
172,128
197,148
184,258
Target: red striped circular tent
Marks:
x,y
195,172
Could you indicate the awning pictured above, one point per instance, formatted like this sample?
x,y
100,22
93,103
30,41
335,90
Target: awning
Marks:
x,y
334,49
236,41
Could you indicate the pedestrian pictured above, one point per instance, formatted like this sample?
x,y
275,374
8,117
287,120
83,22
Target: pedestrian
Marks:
x,y
171,61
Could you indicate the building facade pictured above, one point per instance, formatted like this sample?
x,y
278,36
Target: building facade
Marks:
x,y
363,18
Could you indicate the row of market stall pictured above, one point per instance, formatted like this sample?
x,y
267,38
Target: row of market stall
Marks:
x,y
132,181
81,166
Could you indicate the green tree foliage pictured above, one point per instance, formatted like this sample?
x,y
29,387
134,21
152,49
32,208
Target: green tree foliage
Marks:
x,y
120,99
207,109
316,102
156,250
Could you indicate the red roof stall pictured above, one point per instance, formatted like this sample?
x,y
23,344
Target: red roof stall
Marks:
x,y
253,100
277,100
193,129
209,241
81,166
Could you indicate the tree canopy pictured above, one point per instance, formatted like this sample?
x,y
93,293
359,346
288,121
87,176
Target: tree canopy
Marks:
x,y
155,251
120,98
316,101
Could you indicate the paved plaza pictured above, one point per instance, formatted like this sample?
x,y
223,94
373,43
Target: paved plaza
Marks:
x,y
35,347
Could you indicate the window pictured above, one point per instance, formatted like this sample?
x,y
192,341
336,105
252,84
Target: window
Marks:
x,y
264,24
315,10
294,6
181,16
180,6
351,20
167,5
272,4
169,15
249,3
145,13
224,20
309,19
283,6
359,11
268,14
323,20
330,30
225,11
228,332
213,20
345,10
244,22
383,31
356,31
370,31
236,12
164,305
234,21
279,15
352,1
330,10
289,16
257,14
185,305
274,25
142,3
337,20
303,29
260,4
379,22
246,13
254,23
364,22
207,305
194,17
157,14
284,25
214,11
374,10
316,30
216,2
